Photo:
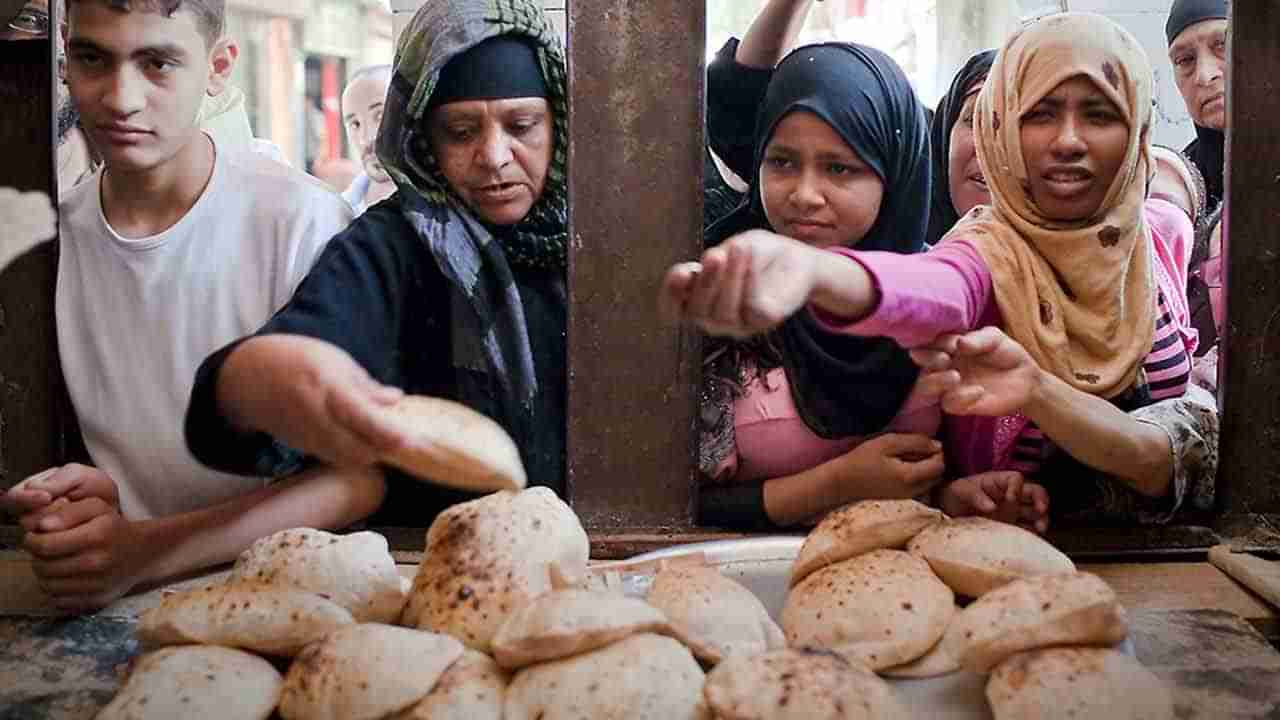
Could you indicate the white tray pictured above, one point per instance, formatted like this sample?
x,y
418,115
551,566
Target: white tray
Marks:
x,y
763,566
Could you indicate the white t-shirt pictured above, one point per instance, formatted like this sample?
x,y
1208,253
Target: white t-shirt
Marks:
x,y
137,317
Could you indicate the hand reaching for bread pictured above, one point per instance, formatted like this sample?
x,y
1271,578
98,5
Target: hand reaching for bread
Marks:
x,y
1003,496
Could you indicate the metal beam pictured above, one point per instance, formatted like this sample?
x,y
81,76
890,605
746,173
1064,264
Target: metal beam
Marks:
x,y
31,405
635,156
1249,474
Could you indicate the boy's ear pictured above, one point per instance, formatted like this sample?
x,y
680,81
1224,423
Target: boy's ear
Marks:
x,y
222,59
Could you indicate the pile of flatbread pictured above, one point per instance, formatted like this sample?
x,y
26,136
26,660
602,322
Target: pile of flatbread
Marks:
x,y
875,585
503,619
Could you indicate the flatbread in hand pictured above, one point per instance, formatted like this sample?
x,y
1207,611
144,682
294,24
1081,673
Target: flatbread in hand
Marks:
x,y
450,444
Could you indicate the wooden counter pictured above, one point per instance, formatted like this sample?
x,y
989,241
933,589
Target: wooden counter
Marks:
x,y
1190,624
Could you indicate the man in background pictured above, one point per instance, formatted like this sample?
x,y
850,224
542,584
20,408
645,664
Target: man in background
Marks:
x,y
362,104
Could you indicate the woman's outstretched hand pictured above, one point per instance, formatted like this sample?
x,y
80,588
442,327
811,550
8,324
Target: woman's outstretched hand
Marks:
x,y
984,372
752,282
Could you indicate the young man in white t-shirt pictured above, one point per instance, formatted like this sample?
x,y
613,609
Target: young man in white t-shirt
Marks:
x,y
172,250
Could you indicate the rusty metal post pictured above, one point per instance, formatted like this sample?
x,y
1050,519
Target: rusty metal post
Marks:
x,y
636,74
31,404
1249,475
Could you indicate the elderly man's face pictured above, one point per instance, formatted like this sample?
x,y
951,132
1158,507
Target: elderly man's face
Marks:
x,y
31,22
1199,57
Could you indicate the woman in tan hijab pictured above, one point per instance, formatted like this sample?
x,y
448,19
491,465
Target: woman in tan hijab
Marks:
x,y
1073,278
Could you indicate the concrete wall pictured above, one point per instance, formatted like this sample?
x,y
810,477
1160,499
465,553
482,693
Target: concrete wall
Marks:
x,y
1145,19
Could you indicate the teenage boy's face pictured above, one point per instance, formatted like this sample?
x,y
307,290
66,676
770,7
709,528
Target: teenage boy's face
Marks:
x,y
138,79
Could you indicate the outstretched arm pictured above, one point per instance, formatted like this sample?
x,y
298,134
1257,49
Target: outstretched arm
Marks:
x,y
772,33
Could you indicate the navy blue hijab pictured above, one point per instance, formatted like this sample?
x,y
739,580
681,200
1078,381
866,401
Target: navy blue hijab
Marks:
x,y
845,385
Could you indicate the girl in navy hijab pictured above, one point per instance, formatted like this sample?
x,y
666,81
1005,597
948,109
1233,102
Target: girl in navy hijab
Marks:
x,y
794,422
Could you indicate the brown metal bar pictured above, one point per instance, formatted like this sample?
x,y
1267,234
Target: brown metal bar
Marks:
x,y
30,380
1249,474
636,87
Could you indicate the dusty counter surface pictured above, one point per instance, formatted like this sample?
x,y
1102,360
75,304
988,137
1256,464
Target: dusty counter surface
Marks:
x,y
1190,624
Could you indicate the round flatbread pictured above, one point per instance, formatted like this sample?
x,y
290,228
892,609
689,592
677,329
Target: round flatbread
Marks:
x,y
942,659
488,557
473,688
859,528
642,677
355,571
881,609
1076,682
799,684
713,615
365,672
197,681
975,555
450,444
1041,611
262,618
567,622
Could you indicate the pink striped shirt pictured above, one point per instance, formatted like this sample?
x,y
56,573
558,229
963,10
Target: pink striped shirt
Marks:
x,y
948,290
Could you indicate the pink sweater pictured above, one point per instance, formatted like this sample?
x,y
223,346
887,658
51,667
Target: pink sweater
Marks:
x,y
948,290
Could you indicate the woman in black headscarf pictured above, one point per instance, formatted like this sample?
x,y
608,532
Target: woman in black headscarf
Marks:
x,y
1196,32
842,158
958,184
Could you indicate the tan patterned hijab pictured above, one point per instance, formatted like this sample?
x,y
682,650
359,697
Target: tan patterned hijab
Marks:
x,y
1078,296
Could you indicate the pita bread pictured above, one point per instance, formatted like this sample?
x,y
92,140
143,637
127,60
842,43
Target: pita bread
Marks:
x,y
197,681
713,615
643,677
450,444
799,684
262,618
567,622
861,527
942,659
882,608
365,672
355,571
1061,683
473,688
1040,611
488,557
975,555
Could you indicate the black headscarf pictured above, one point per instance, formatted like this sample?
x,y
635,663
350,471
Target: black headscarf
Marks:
x,y
842,385
942,211
1208,150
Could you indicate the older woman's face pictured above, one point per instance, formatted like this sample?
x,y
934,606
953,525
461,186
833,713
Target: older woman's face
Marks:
x,y
1074,142
966,184
495,154
1199,57
814,187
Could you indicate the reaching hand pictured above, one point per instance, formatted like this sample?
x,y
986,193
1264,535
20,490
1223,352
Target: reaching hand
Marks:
x,y
890,466
984,372
312,396
747,285
1001,495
